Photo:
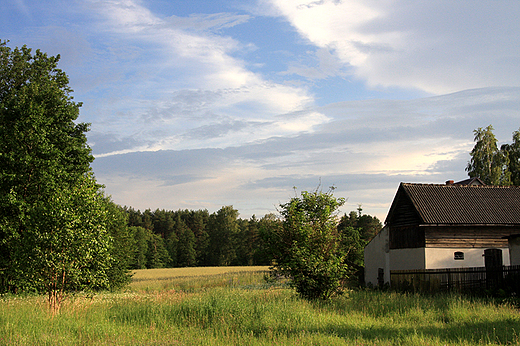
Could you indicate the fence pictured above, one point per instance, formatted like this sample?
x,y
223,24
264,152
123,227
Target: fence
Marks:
x,y
463,280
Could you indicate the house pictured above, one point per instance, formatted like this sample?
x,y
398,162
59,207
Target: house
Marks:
x,y
451,225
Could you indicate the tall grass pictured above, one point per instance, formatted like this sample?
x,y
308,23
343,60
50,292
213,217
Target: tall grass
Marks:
x,y
242,310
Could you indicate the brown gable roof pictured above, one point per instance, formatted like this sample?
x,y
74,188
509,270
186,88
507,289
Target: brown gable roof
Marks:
x,y
461,204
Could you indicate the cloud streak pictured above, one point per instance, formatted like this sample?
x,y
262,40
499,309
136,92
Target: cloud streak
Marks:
x,y
365,157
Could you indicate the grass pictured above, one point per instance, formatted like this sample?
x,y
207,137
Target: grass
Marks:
x,y
206,307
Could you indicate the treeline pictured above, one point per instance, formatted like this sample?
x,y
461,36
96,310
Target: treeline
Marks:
x,y
189,238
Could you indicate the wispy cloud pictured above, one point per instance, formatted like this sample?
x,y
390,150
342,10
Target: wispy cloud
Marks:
x,y
198,86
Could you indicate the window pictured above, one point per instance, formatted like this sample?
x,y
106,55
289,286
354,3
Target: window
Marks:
x,y
458,255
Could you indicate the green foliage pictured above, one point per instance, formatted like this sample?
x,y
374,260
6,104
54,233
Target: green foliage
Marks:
x,y
223,229
65,246
157,256
487,162
308,248
124,245
140,236
55,236
186,255
58,233
513,154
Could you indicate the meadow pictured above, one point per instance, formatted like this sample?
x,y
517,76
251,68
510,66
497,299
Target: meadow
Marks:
x,y
236,306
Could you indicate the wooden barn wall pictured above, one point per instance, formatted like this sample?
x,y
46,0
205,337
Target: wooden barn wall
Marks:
x,y
467,236
404,213
406,237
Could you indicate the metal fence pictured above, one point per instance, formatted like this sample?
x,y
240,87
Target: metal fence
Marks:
x,y
463,280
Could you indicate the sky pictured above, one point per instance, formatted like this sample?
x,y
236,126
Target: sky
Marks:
x,y
202,104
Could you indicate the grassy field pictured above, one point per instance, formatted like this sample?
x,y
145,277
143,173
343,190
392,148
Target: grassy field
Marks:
x,y
234,306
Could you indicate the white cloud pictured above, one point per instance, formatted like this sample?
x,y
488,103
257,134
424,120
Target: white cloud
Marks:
x,y
438,47
188,81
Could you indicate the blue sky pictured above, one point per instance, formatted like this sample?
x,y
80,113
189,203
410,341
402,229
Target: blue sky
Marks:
x,y
200,104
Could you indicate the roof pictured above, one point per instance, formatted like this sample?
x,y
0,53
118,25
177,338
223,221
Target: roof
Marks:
x,y
461,204
470,181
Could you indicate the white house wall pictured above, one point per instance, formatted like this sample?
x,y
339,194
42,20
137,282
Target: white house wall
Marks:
x,y
407,259
376,256
436,258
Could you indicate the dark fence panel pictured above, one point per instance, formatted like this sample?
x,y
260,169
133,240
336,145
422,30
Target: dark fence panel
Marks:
x,y
463,280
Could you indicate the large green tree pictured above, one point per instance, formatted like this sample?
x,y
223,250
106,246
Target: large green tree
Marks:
x,y
307,246
487,162
47,195
513,154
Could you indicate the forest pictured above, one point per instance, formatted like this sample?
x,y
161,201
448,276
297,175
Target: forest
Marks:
x,y
189,238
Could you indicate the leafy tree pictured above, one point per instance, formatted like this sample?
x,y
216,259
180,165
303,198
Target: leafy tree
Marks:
x,y
487,162
197,222
141,236
46,193
186,244
308,247
66,245
163,223
124,245
157,256
368,225
222,229
513,153
268,228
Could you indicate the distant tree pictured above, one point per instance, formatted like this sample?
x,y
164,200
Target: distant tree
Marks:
x,y
197,221
222,230
307,246
269,227
368,225
163,222
141,236
157,255
186,254
487,162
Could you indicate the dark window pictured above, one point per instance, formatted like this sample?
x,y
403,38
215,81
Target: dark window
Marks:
x,y
459,255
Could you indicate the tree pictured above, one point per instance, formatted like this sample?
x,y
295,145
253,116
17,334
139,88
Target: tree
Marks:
x,y
157,255
66,245
487,162
186,254
50,205
307,247
513,153
124,245
141,236
222,229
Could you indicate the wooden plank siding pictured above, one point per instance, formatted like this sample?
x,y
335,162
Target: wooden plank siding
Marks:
x,y
467,236
406,237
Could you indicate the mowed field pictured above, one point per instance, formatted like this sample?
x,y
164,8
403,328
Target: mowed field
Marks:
x,y
235,306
